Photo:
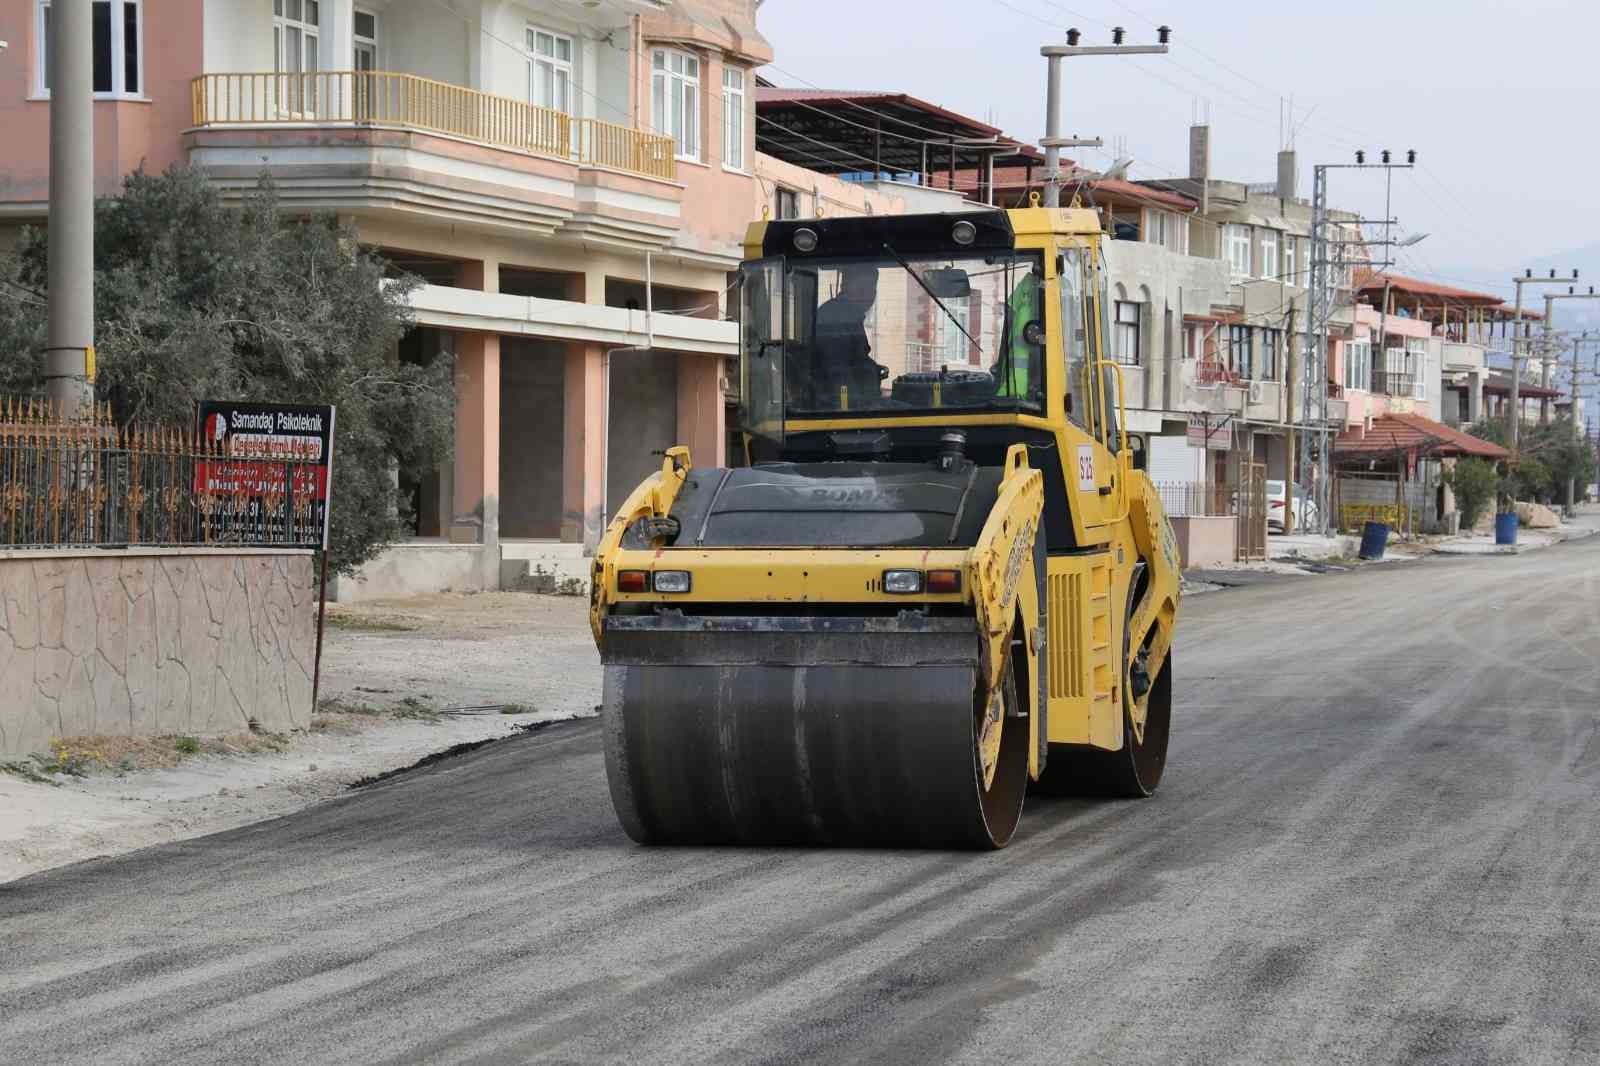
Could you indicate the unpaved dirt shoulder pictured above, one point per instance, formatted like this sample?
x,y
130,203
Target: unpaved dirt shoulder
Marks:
x,y
454,650
402,680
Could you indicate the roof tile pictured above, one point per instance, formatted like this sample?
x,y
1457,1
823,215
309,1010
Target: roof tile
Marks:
x,y
1397,432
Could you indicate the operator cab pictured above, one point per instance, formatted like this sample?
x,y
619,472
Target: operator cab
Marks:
x,y
869,338
874,318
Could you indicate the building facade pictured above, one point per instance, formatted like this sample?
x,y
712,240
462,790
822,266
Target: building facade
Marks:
x,y
571,181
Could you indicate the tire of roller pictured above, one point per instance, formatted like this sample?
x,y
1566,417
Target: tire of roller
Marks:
x,y
1132,772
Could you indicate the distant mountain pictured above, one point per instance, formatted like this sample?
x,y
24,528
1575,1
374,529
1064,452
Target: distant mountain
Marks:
x,y
1567,314
1573,314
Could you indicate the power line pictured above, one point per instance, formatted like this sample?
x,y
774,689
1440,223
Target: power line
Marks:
x,y
1153,73
1185,42
1225,67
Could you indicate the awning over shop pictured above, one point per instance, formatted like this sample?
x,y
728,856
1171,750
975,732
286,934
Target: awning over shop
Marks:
x,y
1414,436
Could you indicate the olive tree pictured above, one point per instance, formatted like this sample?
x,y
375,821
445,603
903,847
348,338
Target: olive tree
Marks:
x,y
196,299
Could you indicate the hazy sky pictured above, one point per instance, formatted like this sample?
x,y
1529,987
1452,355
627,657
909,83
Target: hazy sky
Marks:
x,y
1497,98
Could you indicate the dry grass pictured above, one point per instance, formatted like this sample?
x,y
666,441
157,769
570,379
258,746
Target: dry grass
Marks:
x,y
355,623
88,755
342,716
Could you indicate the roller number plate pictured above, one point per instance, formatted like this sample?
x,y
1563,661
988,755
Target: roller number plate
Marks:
x,y
1086,467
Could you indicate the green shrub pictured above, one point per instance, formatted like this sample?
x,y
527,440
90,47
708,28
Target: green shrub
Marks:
x,y
1474,482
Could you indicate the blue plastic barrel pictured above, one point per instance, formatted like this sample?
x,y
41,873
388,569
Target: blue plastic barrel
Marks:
x,y
1505,528
1374,538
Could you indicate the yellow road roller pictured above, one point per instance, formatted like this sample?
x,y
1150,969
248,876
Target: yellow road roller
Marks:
x,y
935,575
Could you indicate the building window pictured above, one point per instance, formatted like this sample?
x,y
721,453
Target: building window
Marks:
x,y
1268,267
786,203
953,344
296,32
1417,366
1126,335
1156,228
1236,240
733,118
118,64
1241,351
1290,275
1358,365
675,99
1344,259
549,69
366,41
1271,345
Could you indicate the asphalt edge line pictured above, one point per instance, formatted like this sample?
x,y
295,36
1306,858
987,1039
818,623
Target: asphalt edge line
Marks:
x,y
458,750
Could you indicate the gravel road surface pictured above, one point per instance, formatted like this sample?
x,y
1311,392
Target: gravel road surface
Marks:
x,y
1378,841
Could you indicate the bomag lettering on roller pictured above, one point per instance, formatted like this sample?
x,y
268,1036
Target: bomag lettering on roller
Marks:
x,y
939,575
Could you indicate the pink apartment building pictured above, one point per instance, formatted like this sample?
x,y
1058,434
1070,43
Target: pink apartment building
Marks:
x,y
571,179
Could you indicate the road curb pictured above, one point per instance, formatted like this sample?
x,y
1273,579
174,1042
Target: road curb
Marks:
x,y
1559,536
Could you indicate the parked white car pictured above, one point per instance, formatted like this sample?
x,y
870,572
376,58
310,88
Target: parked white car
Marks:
x,y
1305,509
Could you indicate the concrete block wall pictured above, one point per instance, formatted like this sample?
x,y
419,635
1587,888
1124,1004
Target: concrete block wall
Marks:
x,y
153,642
1204,540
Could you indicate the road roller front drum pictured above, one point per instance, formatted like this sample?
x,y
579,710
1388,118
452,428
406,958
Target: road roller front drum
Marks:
x,y
851,732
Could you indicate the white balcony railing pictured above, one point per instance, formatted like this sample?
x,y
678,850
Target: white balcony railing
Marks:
x,y
405,101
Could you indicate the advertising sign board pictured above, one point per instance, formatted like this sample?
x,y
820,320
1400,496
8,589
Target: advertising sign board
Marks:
x,y
267,473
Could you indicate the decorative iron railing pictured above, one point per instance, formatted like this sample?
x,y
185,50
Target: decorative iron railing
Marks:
x,y
91,483
382,98
1183,499
924,358
1394,383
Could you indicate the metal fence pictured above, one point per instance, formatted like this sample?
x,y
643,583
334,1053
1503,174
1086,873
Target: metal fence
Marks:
x,y
1182,499
91,483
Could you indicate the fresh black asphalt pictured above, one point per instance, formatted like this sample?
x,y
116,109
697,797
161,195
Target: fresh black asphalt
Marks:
x,y
1378,842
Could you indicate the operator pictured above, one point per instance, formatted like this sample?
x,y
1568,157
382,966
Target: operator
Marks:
x,y
842,345
1018,377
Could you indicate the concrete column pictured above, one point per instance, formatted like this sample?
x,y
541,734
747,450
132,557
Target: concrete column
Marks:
x,y
1446,466
583,453
476,518
480,274
488,58
1152,361
594,285
1474,397
477,45
588,102
702,416
338,36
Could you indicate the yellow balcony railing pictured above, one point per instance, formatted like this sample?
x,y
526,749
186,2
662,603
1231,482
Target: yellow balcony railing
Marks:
x,y
380,98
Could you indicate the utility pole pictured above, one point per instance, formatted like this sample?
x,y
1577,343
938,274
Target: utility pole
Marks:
x,y
1053,142
1517,354
1582,427
1316,471
1548,342
69,351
